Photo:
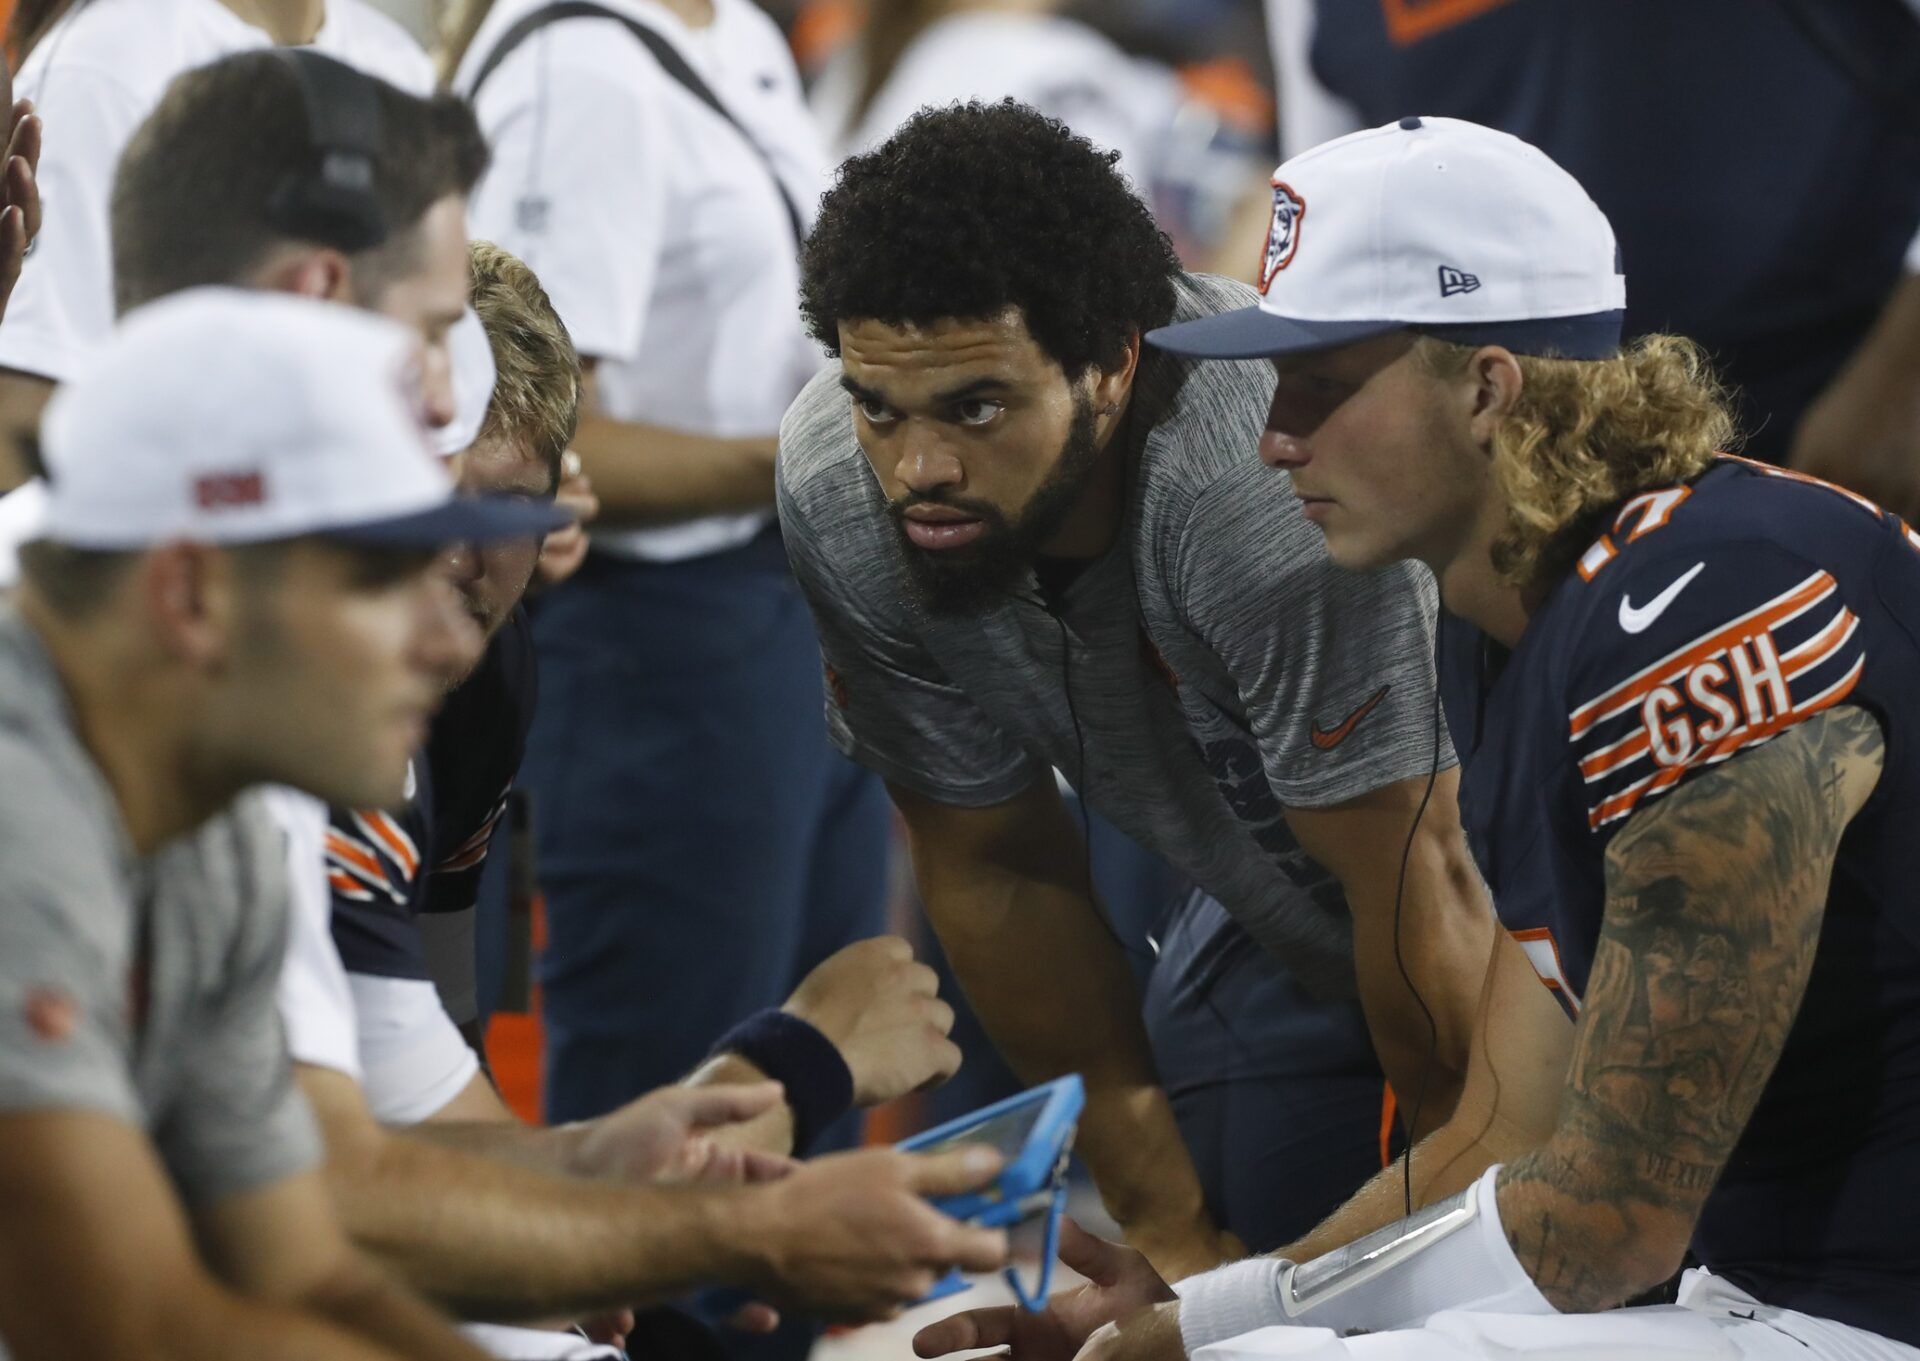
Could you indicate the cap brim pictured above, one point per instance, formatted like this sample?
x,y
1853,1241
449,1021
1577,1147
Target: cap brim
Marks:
x,y
465,519
1253,333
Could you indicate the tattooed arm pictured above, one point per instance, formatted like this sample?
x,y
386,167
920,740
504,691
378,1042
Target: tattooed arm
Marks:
x,y
1714,901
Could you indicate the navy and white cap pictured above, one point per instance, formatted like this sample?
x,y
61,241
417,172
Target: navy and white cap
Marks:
x,y
232,416
1434,225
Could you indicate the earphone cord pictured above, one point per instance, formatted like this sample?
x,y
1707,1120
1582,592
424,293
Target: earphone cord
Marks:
x,y
1399,961
1399,896
1086,828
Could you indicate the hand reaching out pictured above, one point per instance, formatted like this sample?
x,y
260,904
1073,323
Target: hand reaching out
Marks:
x,y
565,549
666,1135
883,1012
1120,1283
20,215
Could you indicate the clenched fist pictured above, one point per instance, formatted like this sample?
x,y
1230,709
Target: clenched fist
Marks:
x,y
882,1010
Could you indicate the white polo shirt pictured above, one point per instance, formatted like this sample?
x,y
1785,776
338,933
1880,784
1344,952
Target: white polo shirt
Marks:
x,y
655,228
1060,66
94,78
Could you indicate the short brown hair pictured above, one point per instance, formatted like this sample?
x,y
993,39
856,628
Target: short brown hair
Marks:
x,y
1586,434
192,197
536,390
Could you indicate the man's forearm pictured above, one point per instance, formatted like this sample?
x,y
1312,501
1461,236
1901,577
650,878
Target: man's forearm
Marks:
x,y
368,1304
1444,1163
540,1148
649,475
214,1324
490,1239
1010,939
769,1133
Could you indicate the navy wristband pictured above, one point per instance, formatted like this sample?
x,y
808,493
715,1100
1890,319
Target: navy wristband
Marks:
x,y
819,1084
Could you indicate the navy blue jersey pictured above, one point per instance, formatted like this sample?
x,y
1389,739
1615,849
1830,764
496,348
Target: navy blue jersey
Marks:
x,y
1705,620
1762,196
385,868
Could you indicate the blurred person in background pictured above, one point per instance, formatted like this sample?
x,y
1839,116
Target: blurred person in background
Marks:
x,y
907,54
96,69
1189,130
1764,198
701,844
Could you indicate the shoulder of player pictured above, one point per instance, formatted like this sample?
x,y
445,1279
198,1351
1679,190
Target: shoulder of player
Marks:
x,y
597,52
59,841
820,456
1738,535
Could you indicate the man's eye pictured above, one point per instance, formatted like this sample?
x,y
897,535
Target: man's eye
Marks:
x,y
977,411
876,413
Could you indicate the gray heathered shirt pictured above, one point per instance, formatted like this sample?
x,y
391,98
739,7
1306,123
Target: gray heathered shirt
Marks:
x,y
1203,653
206,1074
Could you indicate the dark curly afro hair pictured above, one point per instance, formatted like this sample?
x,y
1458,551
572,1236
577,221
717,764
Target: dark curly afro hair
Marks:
x,y
972,208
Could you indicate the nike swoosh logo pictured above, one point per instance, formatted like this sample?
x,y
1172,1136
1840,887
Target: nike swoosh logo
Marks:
x,y
1638,618
1327,741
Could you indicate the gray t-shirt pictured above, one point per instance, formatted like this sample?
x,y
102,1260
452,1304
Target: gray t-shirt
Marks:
x,y
1213,658
139,987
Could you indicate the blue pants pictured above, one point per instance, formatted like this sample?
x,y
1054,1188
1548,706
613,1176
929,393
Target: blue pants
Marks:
x,y
702,846
1278,1095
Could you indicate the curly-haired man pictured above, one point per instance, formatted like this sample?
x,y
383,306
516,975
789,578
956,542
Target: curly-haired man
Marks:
x,y
1031,546
1680,683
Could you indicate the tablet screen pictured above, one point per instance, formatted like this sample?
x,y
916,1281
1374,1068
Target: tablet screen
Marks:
x,y
1007,1133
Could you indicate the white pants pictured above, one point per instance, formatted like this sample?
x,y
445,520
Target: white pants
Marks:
x,y
533,1344
1713,1321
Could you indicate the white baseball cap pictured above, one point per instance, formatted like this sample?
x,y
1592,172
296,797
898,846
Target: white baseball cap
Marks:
x,y
1435,225
235,416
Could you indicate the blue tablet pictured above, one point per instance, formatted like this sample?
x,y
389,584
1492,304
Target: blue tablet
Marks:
x,y
1034,1133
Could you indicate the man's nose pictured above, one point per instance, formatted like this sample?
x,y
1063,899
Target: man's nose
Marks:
x,y
928,464
461,562
1278,449
437,405
448,640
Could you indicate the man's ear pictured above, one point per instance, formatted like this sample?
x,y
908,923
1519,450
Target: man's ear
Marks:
x,y
1494,382
317,272
1112,386
189,589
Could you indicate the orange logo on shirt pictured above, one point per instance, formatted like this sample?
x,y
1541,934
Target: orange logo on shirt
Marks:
x,y
836,687
51,1014
1410,21
1327,741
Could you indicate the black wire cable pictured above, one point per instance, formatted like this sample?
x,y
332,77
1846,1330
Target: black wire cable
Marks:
x,y
1400,963
1399,895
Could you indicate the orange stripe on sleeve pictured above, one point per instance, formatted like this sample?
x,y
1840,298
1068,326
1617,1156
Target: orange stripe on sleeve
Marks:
x,y
1636,687
387,832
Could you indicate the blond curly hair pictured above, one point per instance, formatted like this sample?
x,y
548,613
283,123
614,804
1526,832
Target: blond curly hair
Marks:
x,y
536,390
1585,434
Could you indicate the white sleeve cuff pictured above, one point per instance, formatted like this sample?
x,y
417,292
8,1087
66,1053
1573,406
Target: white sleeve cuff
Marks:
x,y
1230,1300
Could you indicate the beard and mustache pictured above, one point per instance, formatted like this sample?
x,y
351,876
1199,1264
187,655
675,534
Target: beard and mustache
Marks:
x,y
970,580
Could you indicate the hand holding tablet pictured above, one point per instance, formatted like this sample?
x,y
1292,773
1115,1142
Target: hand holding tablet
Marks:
x,y
1034,1133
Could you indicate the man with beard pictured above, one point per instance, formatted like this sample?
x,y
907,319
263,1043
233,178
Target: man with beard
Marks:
x,y
1031,547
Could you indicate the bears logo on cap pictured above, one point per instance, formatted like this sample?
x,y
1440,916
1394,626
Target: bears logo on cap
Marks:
x,y
1283,232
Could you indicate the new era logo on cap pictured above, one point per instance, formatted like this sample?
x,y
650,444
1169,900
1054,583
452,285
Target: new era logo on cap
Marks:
x,y
1454,281
1283,233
